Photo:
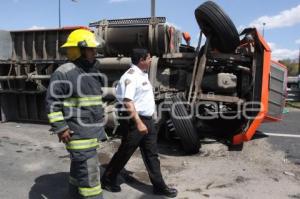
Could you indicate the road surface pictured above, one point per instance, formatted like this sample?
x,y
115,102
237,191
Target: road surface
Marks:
x,y
34,165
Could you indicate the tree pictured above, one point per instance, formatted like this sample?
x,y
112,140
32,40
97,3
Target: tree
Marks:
x,y
292,66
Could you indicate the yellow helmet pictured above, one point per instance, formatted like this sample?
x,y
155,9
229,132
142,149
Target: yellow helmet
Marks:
x,y
81,38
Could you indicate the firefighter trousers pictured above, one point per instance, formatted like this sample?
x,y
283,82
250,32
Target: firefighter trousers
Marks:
x,y
84,179
132,139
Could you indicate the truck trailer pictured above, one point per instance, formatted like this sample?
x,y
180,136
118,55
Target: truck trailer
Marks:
x,y
224,87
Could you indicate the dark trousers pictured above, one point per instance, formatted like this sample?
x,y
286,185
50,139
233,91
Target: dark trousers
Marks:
x,y
130,141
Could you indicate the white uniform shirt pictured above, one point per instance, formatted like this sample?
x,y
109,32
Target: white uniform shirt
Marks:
x,y
135,85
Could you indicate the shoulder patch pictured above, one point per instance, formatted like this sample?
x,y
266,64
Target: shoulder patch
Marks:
x,y
144,83
127,81
130,71
66,67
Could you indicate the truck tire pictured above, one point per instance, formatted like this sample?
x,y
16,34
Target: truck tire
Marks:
x,y
184,127
215,22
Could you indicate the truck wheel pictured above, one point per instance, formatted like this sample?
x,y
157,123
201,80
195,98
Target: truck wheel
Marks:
x,y
215,22
184,127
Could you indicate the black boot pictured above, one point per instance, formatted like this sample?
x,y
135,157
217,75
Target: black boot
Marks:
x,y
166,191
110,184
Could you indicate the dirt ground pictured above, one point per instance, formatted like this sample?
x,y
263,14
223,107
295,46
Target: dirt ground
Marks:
x,y
256,172
34,165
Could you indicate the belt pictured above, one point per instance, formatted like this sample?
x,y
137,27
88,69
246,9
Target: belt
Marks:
x,y
146,117
125,113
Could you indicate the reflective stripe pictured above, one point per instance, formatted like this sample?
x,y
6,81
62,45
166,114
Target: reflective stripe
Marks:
x,y
55,117
73,181
86,191
82,144
93,103
84,98
83,101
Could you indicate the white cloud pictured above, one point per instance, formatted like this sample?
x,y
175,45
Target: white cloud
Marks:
x,y
297,41
117,1
282,53
36,27
285,18
174,25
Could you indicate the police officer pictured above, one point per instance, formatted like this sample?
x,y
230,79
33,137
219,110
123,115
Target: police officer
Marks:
x,y
135,92
75,112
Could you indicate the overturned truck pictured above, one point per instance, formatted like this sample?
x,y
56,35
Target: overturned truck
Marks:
x,y
224,88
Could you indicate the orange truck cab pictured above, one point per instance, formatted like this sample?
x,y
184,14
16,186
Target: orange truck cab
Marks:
x,y
271,92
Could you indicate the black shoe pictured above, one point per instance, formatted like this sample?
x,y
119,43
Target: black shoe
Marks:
x,y
166,191
110,185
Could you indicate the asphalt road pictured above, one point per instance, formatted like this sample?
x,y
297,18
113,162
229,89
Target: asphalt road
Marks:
x,y
285,135
34,165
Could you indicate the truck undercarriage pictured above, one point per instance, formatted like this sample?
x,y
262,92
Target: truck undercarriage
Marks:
x,y
222,89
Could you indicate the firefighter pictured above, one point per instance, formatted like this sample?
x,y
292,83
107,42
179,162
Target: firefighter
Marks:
x,y
75,112
135,92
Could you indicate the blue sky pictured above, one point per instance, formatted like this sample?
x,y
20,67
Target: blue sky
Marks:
x,y
282,17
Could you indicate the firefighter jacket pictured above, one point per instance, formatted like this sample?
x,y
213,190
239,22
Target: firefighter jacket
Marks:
x,y
74,102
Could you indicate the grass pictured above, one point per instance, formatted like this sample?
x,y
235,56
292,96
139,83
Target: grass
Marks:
x,y
293,104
